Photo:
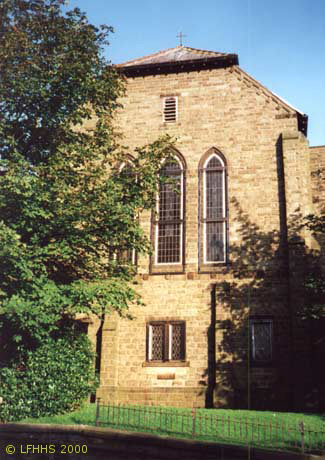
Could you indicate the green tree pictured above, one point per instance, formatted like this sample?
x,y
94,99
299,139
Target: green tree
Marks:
x,y
65,208
315,282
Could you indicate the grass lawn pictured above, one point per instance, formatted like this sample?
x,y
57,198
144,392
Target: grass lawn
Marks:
x,y
264,429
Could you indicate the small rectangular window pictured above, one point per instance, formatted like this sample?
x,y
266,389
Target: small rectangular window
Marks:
x,y
261,335
170,109
166,341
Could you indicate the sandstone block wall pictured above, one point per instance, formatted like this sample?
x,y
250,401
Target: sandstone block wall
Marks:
x,y
317,160
267,179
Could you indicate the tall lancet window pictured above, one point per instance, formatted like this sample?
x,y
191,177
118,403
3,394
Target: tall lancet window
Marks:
x,y
169,231
214,210
125,254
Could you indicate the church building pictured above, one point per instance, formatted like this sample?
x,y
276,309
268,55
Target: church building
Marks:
x,y
223,287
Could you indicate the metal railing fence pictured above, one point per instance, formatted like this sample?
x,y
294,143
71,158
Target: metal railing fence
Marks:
x,y
198,424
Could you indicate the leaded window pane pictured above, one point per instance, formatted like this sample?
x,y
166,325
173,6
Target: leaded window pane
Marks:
x,y
214,163
169,243
170,214
157,342
171,167
170,200
214,194
214,213
166,341
262,341
177,331
215,241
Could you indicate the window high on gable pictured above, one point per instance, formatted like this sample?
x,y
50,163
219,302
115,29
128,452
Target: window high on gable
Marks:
x,y
170,109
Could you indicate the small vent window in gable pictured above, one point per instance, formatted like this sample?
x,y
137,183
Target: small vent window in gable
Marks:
x,y
170,109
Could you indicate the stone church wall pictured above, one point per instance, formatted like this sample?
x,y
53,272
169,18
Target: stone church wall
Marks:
x,y
266,155
317,160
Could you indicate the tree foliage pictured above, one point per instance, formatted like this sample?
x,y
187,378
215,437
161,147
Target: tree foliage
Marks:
x,y
315,282
54,378
65,207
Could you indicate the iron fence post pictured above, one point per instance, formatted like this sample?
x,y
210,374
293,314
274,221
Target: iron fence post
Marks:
x,y
302,427
97,411
193,421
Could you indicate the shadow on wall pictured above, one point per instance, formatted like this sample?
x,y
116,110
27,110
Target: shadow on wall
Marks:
x,y
268,347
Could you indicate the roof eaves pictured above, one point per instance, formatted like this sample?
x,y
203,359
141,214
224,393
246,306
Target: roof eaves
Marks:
x,y
271,93
321,147
127,63
138,61
179,66
302,117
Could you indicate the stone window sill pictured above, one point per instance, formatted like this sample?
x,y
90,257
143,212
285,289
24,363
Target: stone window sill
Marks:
x,y
166,364
167,269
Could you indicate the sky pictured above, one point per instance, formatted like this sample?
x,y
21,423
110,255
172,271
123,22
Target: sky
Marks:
x,y
281,43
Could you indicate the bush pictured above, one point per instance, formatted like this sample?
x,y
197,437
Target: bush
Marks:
x,y
55,378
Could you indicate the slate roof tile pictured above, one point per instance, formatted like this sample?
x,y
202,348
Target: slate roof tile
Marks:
x,y
177,54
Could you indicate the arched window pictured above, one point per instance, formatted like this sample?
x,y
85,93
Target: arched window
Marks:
x,y
214,216
127,169
125,254
169,220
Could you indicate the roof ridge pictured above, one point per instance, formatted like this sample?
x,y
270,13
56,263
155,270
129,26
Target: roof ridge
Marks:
x,y
200,50
150,55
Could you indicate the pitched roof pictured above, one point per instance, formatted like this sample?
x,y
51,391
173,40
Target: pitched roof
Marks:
x,y
180,58
177,54
186,59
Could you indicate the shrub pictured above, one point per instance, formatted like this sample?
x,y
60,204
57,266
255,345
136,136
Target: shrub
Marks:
x,y
54,378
